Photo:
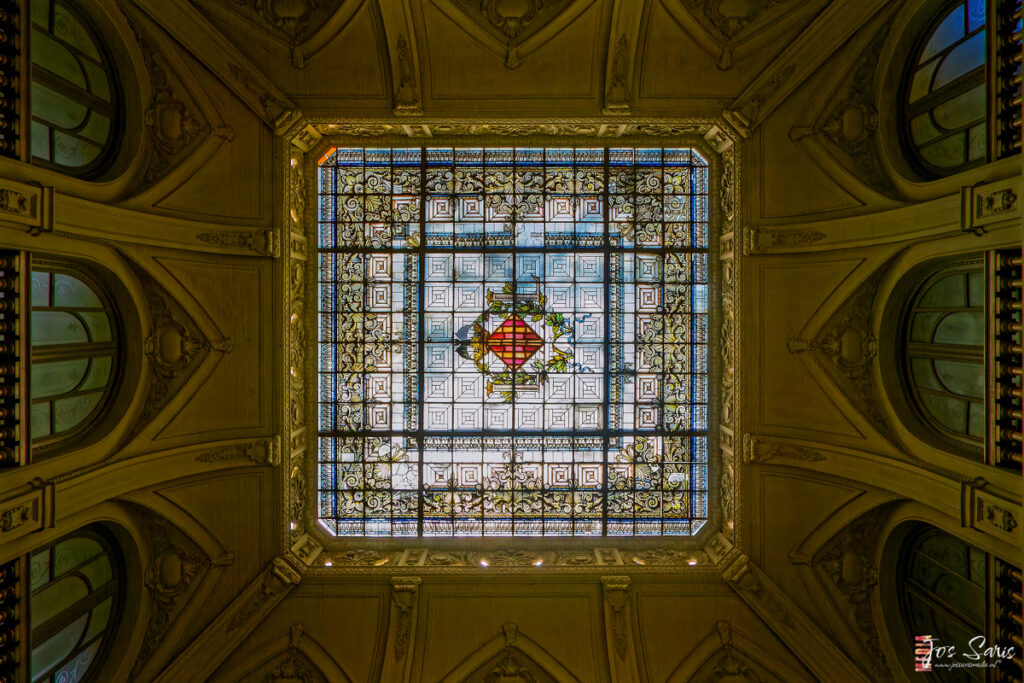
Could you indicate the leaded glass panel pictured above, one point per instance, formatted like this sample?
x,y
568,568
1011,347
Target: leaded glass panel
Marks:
x,y
513,341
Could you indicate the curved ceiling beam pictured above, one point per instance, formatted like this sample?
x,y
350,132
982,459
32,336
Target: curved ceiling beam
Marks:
x,y
189,27
798,61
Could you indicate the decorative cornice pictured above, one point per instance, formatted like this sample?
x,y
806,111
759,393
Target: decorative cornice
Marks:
x,y
584,127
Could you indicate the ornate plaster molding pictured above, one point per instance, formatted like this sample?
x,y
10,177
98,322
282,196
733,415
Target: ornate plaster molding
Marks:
x,y
817,652
618,626
30,207
401,628
211,647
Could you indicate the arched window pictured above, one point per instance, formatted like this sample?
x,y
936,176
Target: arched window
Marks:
x,y
950,594
73,94
945,354
74,351
943,587
946,104
76,593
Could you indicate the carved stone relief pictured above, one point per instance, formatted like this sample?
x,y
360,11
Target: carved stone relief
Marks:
x,y
851,122
847,563
173,122
290,20
847,347
295,666
174,348
617,90
731,17
511,23
176,566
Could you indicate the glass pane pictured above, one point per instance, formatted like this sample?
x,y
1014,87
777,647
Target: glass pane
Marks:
x,y
975,14
976,421
923,326
98,324
922,129
40,288
57,377
39,569
976,287
56,109
55,58
52,652
948,412
966,379
99,84
964,58
40,13
40,417
73,552
75,669
99,373
946,153
98,572
40,140
949,292
922,83
966,328
962,110
55,598
99,619
97,129
67,27
924,376
57,327
948,32
70,412
978,143
71,151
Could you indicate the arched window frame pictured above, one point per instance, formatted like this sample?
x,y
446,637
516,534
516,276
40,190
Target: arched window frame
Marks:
x,y
113,109
44,445
910,350
999,589
113,588
933,98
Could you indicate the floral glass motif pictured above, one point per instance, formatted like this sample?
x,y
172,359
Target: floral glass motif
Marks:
x,y
512,341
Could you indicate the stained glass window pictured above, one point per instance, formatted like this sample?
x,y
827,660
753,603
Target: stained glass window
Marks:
x,y
75,598
73,352
513,342
946,105
945,349
73,90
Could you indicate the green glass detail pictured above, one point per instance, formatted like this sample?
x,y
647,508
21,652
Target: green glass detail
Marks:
x,y
57,377
56,109
57,59
73,552
57,648
71,412
67,27
56,597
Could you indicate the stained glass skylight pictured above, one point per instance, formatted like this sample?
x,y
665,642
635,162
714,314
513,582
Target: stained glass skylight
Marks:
x,y
513,342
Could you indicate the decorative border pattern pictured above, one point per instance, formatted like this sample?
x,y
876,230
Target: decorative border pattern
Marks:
x,y
299,146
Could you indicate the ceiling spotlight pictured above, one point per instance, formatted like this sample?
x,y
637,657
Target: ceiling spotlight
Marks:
x,y
328,563
692,563
538,563
483,563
